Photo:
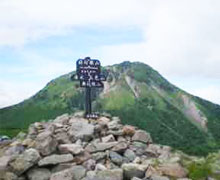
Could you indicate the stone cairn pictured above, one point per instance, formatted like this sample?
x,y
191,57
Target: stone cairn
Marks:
x,y
73,148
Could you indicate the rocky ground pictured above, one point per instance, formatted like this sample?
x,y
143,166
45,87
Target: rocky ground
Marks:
x,y
74,148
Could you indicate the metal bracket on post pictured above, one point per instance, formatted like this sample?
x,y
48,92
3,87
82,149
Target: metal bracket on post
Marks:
x,y
88,72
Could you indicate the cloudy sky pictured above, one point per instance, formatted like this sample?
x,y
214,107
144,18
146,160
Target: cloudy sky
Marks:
x,y
42,39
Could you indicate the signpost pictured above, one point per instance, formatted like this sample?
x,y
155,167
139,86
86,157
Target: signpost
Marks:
x,y
88,72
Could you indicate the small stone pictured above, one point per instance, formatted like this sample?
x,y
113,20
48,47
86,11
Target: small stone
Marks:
x,y
38,174
100,167
70,148
130,155
142,136
25,161
55,159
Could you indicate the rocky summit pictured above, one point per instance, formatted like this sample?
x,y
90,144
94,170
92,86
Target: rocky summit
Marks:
x,y
73,148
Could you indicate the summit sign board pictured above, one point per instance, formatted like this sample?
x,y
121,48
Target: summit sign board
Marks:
x,y
88,73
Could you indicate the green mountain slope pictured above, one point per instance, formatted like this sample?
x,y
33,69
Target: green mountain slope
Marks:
x,y
137,94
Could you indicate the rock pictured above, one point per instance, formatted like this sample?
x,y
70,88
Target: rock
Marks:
x,y
99,156
128,130
97,147
70,148
4,160
174,170
55,159
21,136
116,158
109,138
130,155
114,124
74,173
62,138
134,170
138,147
121,138
15,150
115,174
103,120
8,176
135,178
156,177
79,159
38,174
25,161
115,132
63,119
142,136
81,129
90,165
62,166
120,147
30,143
151,171
45,143
137,160
100,167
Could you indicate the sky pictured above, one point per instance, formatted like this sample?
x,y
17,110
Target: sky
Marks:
x,y
42,39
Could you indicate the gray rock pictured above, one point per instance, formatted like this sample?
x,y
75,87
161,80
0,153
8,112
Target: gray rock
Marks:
x,y
135,178
114,124
45,143
138,147
97,147
100,167
142,136
38,174
74,173
62,166
62,138
81,129
116,158
15,150
120,147
134,170
25,161
4,160
70,148
63,119
99,156
114,174
55,159
8,176
130,155
156,177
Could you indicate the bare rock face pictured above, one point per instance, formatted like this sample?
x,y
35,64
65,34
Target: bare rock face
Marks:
x,y
23,162
45,143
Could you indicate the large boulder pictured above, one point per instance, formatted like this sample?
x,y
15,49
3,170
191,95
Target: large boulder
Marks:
x,y
25,161
134,170
39,174
81,129
55,159
142,136
74,173
46,144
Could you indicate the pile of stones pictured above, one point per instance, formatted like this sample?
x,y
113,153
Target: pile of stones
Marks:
x,y
73,148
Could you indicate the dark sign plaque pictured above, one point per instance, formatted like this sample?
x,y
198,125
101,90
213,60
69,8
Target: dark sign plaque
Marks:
x,y
88,72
